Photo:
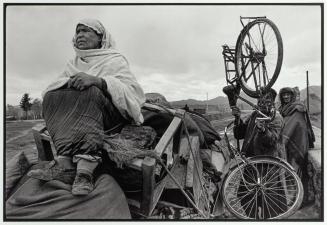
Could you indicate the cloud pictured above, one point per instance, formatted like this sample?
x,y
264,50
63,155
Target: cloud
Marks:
x,y
174,50
17,85
181,87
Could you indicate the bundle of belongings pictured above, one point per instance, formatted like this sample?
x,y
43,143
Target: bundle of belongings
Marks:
x,y
139,141
37,199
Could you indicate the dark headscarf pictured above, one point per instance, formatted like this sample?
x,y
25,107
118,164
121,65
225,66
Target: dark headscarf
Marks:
x,y
287,90
288,109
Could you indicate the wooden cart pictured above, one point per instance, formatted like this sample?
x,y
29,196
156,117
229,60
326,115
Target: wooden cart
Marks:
x,y
174,144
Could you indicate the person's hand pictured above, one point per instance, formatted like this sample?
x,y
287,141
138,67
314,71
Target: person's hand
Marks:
x,y
236,111
260,124
82,81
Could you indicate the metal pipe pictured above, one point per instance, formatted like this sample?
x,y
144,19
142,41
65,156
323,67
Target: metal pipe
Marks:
x,y
308,105
253,106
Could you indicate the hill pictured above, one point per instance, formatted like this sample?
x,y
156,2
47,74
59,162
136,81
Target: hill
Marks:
x,y
220,103
316,90
314,99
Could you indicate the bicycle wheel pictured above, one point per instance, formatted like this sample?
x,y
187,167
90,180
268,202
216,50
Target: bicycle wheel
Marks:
x,y
259,56
264,189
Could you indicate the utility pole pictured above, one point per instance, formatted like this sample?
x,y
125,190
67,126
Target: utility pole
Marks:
x,y
207,104
308,91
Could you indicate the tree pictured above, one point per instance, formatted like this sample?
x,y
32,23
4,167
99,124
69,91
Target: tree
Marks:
x,y
25,103
37,108
11,111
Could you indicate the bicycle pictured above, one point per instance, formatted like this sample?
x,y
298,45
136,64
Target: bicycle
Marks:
x,y
260,187
270,178
257,58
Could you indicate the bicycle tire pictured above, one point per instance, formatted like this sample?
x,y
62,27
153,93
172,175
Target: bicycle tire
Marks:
x,y
248,90
241,212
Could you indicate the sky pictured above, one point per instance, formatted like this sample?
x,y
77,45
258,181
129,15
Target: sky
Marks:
x,y
174,50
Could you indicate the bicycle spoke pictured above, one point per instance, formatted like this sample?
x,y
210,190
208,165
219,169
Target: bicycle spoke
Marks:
x,y
238,200
271,181
248,204
264,178
277,194
261,172
279,189
279,203
253,175
267,204
242,192
245,175
244,180
240,185
270,198
262,32
285,179
278,175
256,205
274,187
251,38
263,206
269,37
264,73
272,207
289,201
241,197
272,176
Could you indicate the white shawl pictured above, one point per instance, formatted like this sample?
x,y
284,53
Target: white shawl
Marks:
x,y
107,63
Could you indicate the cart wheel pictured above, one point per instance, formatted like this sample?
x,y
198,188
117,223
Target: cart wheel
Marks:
x,y
259,56
263,189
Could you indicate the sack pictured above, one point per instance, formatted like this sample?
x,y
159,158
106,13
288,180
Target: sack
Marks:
x,y
16,168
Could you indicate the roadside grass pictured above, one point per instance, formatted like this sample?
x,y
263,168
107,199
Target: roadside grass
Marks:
x,y
219,125
24,142
15,128
316,119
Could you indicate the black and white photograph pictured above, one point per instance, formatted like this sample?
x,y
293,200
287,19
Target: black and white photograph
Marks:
x,y
163,111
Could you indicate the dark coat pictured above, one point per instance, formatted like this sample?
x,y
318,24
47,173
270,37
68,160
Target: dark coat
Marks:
x,y
297,131
297,136
257,142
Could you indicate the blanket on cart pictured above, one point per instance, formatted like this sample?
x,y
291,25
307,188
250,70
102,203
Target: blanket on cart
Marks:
x,y
37,199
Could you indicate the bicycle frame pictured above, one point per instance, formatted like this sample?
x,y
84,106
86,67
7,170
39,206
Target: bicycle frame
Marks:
x,y
237,155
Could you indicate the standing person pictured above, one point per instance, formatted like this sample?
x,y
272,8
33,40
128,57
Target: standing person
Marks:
x,y
186,108
260,138
297,134
95,95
